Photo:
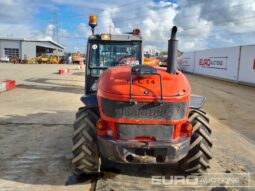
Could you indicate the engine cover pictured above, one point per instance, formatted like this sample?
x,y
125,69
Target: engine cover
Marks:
x,y
147,106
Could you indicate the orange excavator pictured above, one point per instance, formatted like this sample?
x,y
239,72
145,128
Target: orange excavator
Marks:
x,y
77,58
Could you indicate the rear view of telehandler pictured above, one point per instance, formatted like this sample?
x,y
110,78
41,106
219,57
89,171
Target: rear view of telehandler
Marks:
x,y
135,113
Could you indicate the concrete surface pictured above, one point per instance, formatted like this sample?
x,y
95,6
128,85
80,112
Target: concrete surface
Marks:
x,y
36,129
230,103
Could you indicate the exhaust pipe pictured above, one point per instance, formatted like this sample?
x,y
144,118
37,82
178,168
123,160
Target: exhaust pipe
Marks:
x,y
130,158
172,52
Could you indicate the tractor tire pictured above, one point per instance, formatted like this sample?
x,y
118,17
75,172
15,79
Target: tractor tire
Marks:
x,y
197,159
85,149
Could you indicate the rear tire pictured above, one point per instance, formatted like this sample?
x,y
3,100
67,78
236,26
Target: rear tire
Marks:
x,y
197,159
85,148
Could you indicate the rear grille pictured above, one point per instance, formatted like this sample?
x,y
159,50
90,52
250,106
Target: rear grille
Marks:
x,y
143,110
131,131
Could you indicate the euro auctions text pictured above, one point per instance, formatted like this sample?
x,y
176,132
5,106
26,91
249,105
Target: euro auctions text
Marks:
x,y
207,180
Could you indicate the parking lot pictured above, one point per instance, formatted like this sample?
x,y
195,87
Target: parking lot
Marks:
x,y
36,133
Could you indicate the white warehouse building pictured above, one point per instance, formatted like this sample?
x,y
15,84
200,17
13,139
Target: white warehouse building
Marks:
x,y
23,48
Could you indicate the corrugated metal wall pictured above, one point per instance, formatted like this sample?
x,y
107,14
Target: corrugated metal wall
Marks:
x,y
27,48
9,44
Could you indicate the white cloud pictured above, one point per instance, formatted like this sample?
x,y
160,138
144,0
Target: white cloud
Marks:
x,y
106,20
63,33
49,31
13,12
153,19
83,30
201,24
15,31
192,28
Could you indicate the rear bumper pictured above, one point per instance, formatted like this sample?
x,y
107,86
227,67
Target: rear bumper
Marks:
x,y
140,152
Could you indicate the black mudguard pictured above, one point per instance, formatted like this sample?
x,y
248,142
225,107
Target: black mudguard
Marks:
x,y
89,100
196,102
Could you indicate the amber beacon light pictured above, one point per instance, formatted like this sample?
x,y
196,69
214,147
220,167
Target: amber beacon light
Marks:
x,y
92,23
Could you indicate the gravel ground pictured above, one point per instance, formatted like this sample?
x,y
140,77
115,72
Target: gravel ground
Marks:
x,y
36,128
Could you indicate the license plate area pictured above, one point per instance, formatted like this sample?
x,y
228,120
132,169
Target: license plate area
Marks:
x,y
132,131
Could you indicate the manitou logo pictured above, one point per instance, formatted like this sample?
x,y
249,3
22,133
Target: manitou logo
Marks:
x,y
214,62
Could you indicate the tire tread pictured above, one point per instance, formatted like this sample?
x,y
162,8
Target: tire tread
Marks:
x,y
85,149
197,159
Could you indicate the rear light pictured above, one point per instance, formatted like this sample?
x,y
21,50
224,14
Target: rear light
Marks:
x,y
186,130
100,125
105,128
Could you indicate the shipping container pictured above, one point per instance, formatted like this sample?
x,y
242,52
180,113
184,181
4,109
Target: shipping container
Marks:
x,y
186,62
247,65
221,63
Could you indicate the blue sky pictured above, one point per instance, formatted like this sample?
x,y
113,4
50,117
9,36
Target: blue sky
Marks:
x,y
202,24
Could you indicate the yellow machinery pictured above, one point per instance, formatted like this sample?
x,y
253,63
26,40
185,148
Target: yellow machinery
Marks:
x,y
49,59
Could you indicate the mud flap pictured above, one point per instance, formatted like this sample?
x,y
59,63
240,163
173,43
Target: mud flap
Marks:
x,y
197,102
90,100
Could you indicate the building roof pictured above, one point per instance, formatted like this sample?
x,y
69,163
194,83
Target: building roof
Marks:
x,y
33,40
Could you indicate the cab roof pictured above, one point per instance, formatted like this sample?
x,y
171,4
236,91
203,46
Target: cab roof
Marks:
x,y
122,37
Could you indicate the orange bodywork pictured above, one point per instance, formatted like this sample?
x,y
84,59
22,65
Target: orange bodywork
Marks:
x,y
151,61
114,84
